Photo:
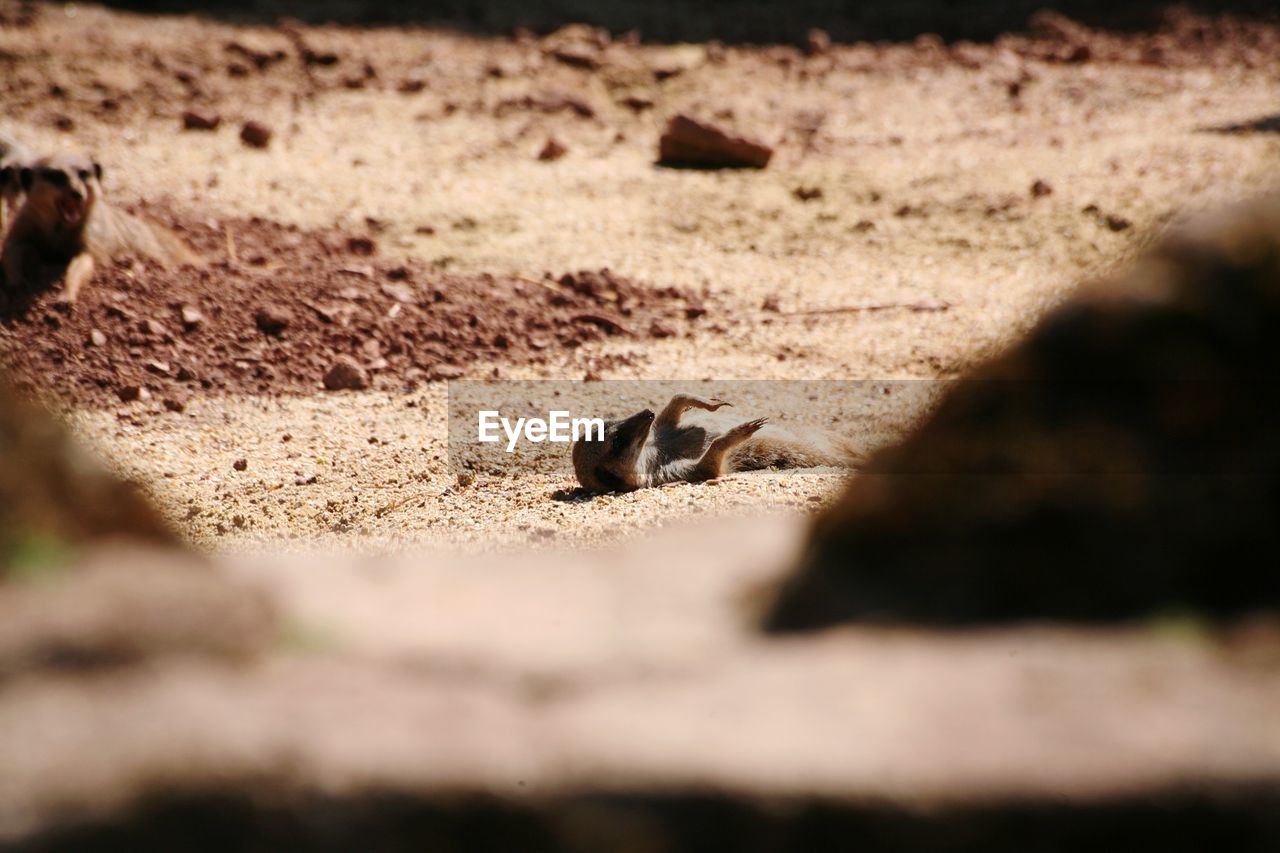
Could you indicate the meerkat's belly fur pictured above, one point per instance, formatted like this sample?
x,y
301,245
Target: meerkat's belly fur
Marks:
x,y
773,446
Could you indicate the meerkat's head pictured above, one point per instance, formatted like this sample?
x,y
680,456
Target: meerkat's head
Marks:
x,y
62,188
610,464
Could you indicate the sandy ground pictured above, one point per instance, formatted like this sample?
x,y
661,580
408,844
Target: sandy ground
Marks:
x,y
924,167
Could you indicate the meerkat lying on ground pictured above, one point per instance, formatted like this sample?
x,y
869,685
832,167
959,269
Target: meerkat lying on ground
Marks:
x,y
65,225
689,441
13,157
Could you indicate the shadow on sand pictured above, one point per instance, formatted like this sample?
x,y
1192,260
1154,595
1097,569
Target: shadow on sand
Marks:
x,y
731,21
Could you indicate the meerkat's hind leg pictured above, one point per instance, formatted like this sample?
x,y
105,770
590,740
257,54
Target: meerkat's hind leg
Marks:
x,y
712,463
79,271
681,403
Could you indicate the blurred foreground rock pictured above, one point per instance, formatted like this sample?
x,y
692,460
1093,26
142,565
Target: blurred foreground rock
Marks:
x,y
121,606
1122,460
54,495
91,579
621,700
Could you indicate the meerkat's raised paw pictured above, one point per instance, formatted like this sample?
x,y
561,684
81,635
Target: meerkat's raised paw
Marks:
x,y
746,430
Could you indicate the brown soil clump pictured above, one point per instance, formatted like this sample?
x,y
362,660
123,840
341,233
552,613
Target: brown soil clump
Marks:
x,y
279,306
1121,461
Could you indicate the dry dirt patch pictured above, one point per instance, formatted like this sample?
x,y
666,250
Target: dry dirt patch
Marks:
x,y
280,306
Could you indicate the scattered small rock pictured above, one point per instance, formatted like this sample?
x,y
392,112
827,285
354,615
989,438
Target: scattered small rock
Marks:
x,y
346,375
553,149
363,246
807,193
1039,189
411,85
549,102
152,327
173,404
771,304
446,371
465,479
577,56
260,56
637,103
817,42
1112,221
201,120
130,393
191,316
272,319
659,329
255,134
97,338
240,464
690,142
675,60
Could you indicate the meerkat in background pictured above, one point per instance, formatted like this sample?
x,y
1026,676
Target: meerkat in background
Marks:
x,y
13,157
65,226
689,441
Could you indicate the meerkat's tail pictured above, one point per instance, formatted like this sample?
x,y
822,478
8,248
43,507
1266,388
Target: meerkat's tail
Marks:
x,y
116,232
175,249
776,446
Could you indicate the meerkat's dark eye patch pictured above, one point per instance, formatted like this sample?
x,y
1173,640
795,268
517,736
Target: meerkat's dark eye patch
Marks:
x,y
610,480
84,175
97,170
56,177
